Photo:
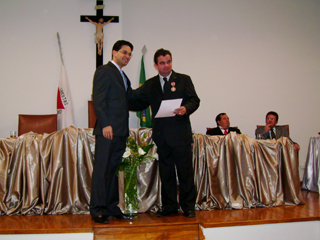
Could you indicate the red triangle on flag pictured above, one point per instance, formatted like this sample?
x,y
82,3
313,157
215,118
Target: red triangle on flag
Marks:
x,y
59,101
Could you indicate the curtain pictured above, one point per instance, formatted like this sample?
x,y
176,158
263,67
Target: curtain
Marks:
x,y
51,173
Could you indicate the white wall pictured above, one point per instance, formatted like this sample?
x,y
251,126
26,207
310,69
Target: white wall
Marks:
x,y
245,57
30,59
60,236
291,230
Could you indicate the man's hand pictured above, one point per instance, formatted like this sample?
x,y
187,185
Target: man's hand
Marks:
x,y
180,111
267,128
107,132
297,147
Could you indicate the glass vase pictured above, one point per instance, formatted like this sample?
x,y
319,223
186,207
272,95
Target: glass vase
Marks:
x,y
130,192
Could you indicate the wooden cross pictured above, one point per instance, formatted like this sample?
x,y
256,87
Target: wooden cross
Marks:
x,y
95,19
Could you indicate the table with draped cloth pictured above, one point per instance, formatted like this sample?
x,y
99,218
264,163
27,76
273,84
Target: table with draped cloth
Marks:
x,y
311,176
51,173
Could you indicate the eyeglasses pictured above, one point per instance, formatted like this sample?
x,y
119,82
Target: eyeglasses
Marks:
x,y
126,53
272,119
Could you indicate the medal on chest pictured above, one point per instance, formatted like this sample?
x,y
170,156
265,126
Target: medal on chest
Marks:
x,y
173,84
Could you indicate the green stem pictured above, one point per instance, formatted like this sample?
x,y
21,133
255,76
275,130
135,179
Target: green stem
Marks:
x,y
128,182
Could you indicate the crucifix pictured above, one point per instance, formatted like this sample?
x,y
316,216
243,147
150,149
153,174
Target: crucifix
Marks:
x,y
99,21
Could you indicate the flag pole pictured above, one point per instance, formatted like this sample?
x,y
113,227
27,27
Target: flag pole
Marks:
x,y
143,50
59,43
64,102
144,115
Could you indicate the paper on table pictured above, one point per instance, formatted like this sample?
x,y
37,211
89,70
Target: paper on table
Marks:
x,y
167,107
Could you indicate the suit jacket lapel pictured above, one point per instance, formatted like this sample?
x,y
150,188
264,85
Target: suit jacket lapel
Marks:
x,y
158,84
128,81
118,74
174,78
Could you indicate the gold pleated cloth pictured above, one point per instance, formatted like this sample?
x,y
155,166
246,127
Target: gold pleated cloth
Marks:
x,y
51,173
236,171
311,176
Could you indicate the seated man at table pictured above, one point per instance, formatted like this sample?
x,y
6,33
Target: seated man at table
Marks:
x,y
223,126
271,131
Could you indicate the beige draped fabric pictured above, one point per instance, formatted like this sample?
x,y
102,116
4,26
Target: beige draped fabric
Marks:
x,y
46,174
51,173
311,176
235,171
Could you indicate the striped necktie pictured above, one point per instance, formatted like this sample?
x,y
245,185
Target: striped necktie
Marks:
x,y
272,134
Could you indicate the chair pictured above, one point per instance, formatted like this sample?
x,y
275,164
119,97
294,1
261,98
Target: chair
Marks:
x,y
208,128
286,126
91,115
37,123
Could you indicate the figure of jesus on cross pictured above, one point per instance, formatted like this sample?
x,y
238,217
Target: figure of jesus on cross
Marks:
x,y
99,21
99,32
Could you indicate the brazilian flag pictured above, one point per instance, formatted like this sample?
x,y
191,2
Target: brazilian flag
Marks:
x,y
145,118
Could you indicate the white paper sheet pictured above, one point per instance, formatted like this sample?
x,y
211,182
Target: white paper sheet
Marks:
x,y
167,107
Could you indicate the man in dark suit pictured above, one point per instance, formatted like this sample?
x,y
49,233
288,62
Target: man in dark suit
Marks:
x,y
223,126
172,135
271,131
110,91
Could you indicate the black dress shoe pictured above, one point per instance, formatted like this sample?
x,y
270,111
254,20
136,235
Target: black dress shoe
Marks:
x,y
100,219
166,213
189,214
121,216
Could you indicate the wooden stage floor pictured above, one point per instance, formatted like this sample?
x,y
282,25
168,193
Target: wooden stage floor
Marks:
x,y
149,226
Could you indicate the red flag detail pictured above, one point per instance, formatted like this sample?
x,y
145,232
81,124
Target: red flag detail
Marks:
x,y
59,101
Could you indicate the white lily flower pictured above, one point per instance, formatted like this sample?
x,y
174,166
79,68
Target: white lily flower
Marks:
x,y
127,153
156,156
141,152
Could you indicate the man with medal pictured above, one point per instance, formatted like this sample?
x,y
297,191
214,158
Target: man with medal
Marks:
x,y
172,135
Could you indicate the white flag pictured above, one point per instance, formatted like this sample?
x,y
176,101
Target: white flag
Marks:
x,y
64,104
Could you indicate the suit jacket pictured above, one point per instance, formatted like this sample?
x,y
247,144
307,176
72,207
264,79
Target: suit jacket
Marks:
x,y
110,100
217,131
175,131
280,132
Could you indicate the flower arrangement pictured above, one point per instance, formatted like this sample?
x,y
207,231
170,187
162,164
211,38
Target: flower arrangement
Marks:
x,y
133,156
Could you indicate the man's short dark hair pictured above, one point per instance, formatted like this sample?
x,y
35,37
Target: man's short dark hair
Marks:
x,y
161,52
218,117
273,113
118,45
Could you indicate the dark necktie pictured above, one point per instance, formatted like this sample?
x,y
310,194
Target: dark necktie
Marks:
x,y
124,80
272,134
166,86
225,131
